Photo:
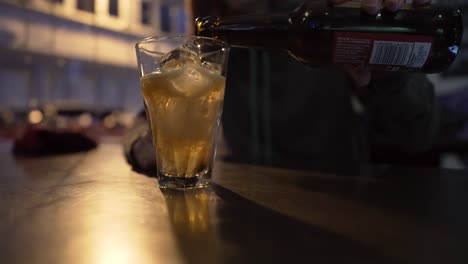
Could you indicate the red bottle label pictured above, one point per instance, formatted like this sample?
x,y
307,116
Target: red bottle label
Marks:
x,y
381,50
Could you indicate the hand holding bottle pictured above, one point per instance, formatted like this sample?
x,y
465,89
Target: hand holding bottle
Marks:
x,y
341,32
359,74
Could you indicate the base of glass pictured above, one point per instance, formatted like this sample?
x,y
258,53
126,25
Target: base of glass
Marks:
x,y
183,183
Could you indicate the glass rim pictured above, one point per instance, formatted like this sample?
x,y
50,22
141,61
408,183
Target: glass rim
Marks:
x,y
222,43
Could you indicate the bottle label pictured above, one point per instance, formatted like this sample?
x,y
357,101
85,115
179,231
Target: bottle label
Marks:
x,y
381,50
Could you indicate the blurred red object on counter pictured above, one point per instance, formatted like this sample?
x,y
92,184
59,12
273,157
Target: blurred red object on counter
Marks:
x,y
38,141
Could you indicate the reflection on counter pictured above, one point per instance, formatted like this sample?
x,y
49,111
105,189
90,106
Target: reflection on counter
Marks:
x,y
193,218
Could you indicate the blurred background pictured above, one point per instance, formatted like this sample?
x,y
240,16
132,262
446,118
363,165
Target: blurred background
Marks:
x,y
71,63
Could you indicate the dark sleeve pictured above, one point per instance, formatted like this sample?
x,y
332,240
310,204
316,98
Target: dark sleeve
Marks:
x,y
138,148
402,111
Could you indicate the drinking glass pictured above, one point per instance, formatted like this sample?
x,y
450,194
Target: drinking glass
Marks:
x,y
182,83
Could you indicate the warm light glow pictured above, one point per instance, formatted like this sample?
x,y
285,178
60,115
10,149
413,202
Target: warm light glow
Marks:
x,y
109,122
116,224
114,248
85,120
126,119
35,117
118,237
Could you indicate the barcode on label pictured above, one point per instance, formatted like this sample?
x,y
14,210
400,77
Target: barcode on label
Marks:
x,y
410,54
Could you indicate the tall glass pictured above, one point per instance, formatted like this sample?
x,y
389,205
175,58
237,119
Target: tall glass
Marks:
x,y
182,82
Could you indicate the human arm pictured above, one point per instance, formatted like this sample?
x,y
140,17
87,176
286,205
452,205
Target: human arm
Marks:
x,y
402,111
362,76
138,146
401,107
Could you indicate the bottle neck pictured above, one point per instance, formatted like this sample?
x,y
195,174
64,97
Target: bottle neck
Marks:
x,y
258,31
